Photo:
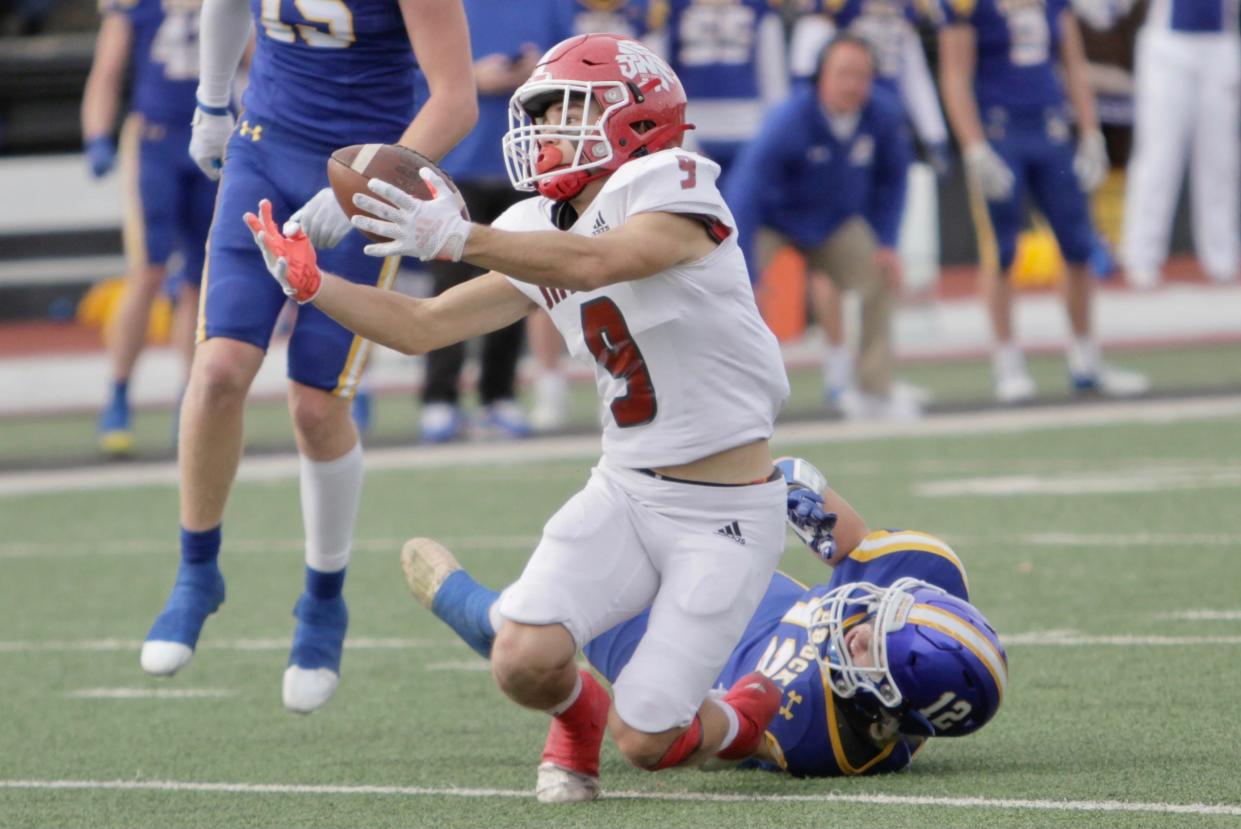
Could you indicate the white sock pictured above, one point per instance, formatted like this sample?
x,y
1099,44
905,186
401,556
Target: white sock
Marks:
x,y
838,367
1007,359
734,725
494,617
331,492
1084,357
557,710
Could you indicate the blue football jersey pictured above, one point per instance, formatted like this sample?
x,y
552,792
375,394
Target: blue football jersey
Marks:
x,y
881,23
333,72
713,46
1018,43
164,57
630,18
814,734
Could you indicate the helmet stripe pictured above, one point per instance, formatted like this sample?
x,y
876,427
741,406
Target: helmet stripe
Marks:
x,y
968,635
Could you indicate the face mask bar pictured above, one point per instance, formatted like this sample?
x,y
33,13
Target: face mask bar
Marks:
x,y
589,138
887,608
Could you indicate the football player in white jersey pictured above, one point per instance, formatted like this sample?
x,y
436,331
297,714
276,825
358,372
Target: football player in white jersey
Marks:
x,y
630,248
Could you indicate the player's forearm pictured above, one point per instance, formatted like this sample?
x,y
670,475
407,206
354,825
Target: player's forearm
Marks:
x,y
383,317
1077,75
956,80
550,258
100,104
442,122
223,34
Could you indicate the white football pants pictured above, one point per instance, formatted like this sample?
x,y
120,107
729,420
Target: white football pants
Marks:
x,y
1188,103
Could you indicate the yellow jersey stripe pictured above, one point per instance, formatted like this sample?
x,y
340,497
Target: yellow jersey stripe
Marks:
x,y
833,734
133,224
988,247
952,625
883,543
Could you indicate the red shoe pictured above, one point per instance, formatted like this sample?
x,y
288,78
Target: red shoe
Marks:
x,y
570,767
756,699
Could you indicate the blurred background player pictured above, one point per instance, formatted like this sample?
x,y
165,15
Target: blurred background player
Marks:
x,y
1188,108
507,39
324,75
890,27
1007,106
826,174
168,202
731,57
884,656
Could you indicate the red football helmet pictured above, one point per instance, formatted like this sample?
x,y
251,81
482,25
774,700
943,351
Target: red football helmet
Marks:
x,y
632,104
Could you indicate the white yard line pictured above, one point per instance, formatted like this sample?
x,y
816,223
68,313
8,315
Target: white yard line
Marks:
x,y
992,421
1226,809
360,643
151,693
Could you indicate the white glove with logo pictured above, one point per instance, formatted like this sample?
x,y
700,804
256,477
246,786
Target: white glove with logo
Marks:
x,y
430,229
989,170
210,132
322,220
1090,162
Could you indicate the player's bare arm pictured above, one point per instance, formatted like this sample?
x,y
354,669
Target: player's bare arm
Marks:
x,y
441,40
645,245
101,99
957,47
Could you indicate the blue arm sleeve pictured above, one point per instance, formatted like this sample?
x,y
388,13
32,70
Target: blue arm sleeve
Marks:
x,y
756,171
887,198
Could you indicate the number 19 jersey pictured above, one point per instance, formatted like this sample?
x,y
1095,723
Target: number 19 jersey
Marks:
x,y
684,364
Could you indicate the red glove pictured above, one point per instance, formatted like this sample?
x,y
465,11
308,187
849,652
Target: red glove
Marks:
x,y
290,259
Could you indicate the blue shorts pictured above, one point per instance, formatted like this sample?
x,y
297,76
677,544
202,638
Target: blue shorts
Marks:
x,y
174,200
1038,148
241,300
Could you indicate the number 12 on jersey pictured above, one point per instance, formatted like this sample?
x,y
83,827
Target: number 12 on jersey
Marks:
x,y
608,339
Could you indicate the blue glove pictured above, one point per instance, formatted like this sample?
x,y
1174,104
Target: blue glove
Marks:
x,y
806,515
939,156
101,155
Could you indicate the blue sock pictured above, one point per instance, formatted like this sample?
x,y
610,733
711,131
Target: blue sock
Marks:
x,y
324,585
120,392
464,605
200,547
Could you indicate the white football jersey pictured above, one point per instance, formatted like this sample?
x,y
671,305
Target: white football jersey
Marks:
x,y
685,365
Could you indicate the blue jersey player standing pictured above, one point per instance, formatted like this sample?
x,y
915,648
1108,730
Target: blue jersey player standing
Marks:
x,y
325,73
842,653
1014,120
168,206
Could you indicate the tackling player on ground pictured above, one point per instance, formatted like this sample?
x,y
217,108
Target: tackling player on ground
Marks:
x,y
326,73
633,253
885,655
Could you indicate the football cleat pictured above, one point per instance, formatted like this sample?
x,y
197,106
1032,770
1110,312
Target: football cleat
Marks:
x,y
1014,387
197,593
503,420
116,437
1111,382
441,423
437,580
557,785
314,660
756,699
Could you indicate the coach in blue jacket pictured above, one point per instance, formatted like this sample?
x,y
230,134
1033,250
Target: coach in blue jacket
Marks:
x,y
826,174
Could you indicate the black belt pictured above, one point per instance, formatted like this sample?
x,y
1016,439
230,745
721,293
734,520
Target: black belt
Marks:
x,y
774,476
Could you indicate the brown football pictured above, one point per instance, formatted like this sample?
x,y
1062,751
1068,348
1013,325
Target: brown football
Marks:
x,y
350,168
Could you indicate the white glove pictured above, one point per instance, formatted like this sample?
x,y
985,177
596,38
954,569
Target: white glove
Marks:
x,y
208,139
322,219
1090,163
427,229
989,170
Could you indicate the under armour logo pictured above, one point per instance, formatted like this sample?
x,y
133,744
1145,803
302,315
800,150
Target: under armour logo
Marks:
x,y
732,531
254,133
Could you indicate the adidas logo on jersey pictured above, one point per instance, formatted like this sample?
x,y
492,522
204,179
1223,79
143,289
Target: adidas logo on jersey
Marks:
x,y
732,531
600,226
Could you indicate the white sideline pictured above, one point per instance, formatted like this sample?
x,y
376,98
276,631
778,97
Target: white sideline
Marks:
x,y
991,421
1226,809
151,693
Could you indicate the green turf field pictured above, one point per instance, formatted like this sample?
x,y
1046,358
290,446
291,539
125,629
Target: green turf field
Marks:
x,y
1107,555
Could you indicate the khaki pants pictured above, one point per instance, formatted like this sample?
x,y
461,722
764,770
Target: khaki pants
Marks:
x,y
848,259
